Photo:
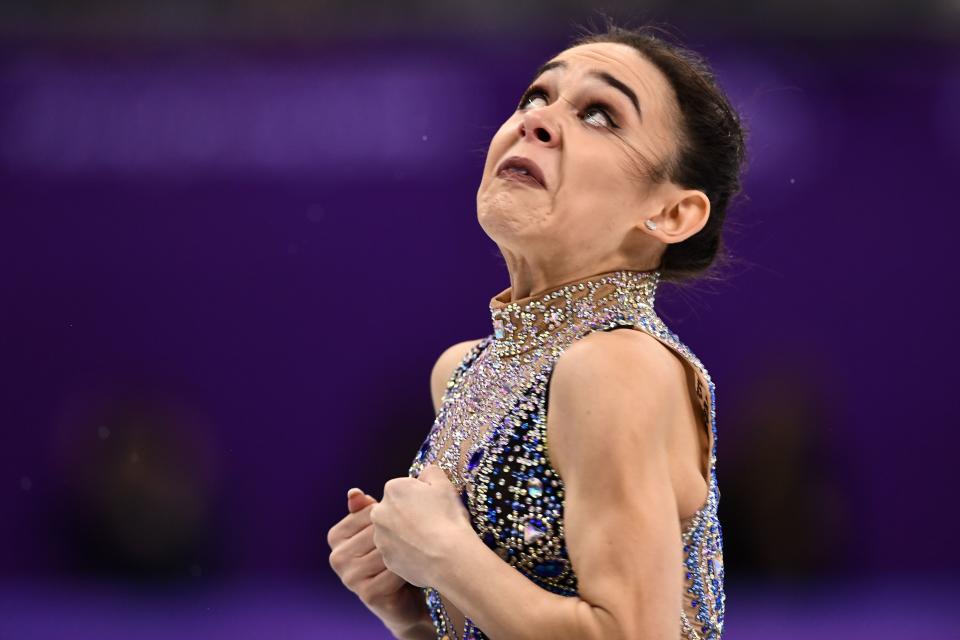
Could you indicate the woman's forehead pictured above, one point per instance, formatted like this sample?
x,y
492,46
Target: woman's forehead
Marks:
x,y
620,60
609,56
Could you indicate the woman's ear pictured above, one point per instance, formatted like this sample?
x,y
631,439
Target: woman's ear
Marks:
x,y
686,213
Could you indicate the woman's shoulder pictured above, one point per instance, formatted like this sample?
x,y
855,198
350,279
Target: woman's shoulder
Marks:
x,y
623,385
624,372
624,366
635,390
618,353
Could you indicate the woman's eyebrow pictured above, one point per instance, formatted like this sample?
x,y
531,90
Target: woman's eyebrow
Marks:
x,y
620,86
602,75
553,64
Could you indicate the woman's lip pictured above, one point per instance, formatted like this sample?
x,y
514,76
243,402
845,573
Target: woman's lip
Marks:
x,y
523,178
527,164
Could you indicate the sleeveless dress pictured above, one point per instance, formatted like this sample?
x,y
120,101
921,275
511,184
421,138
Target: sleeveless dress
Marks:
x,y
490,437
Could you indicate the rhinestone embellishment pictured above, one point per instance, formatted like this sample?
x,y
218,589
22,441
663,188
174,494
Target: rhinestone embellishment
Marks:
x,y
490,438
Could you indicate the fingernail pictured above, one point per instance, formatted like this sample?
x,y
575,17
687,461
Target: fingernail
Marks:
x,y
353,490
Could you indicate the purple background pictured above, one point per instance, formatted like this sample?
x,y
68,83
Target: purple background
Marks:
x,y
227,267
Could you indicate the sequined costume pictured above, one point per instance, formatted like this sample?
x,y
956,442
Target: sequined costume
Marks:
x,y
490,437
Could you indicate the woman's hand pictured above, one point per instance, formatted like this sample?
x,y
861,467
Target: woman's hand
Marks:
x,y
358,563
418,525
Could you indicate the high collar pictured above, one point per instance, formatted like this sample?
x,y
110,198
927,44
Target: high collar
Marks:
x,y
537,320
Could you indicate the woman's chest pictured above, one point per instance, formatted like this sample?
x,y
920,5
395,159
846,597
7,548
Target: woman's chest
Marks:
x,y
513,494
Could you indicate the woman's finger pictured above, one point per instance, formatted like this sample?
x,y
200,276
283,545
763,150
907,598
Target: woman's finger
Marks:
x,y
360,543
357,500
363,567
349,525
371,563
386,582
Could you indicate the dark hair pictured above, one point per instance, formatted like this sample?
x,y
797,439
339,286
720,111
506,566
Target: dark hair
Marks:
x,y
710,142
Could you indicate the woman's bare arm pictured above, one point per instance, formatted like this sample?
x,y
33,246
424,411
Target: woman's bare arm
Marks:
x,y
610,409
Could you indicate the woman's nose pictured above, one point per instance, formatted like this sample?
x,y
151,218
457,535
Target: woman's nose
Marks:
x,y
534,126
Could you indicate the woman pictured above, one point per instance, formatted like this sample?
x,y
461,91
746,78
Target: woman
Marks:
x,y
614,173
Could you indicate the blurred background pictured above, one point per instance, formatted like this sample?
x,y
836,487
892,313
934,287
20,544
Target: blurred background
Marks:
x,y
237,234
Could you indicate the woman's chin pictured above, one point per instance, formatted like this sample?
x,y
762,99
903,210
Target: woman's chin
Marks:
x,y
505,217
497,210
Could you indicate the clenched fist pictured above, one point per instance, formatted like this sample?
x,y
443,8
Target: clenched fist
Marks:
x,y
358,563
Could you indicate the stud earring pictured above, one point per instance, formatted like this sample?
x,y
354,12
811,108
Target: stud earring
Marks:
x,y
650,224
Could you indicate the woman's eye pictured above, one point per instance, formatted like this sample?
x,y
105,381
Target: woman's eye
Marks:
x,y
605,123
530,95
607,120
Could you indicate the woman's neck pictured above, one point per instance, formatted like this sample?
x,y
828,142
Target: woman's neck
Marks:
x,y
528,279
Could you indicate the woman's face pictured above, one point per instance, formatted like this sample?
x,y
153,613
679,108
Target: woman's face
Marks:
x,y
593,145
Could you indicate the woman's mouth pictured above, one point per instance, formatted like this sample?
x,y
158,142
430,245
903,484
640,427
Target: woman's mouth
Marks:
x,y
522,170
519,175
